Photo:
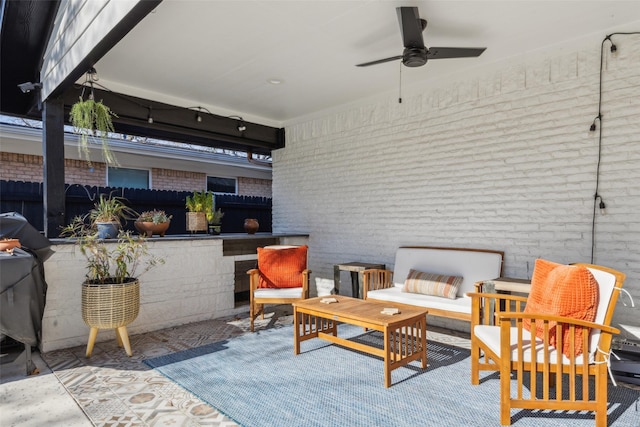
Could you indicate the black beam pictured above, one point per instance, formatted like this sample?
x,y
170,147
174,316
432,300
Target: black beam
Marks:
x,y
180,124
53,155
25,30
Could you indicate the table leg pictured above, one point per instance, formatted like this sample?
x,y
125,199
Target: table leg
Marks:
x,y
296,331
387,359
336,279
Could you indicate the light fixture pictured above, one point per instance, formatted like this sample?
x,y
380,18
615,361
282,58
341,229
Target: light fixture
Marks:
x,y
274,81
241,125
592,128
149,116
198,118
27,87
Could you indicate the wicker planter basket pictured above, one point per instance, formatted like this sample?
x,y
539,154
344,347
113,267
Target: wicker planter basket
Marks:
x,y
110,306
196,221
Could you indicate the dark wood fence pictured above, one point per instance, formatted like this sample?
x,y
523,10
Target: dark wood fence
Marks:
x,y
26,199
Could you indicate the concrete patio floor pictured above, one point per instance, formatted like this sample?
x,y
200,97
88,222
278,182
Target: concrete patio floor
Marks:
x,y
111,389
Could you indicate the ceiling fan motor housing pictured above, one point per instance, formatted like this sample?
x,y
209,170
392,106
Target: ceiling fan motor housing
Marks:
x,y
414,56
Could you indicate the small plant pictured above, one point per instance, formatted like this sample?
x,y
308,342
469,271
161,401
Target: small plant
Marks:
x,y
214,217
113,263
111,209
199,201
155,216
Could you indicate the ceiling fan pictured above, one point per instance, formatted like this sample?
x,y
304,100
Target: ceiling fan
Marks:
x,y
415,53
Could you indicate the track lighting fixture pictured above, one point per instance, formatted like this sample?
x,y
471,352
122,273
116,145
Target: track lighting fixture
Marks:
x,y
198,118
149,116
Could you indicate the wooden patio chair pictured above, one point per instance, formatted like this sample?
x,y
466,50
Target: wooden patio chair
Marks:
x,y
556,381
282,277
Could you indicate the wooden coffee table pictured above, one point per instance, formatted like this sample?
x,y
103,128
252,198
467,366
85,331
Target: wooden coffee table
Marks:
x,y
405,334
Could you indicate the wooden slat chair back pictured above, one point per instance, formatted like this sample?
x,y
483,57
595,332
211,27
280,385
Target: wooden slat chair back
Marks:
x,y
544,377
259,297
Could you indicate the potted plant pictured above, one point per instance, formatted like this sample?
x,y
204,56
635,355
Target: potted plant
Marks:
x,y
107,215
153,222
198,204
111,290
214,217
91,118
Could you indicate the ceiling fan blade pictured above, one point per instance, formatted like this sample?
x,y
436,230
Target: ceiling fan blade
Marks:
x,y
454,52
411,26
380,61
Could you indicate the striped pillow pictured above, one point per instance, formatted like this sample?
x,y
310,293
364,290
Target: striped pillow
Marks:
x,y
439,285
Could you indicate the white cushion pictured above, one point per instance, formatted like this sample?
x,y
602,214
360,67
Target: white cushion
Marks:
x,y
490,335
606,282
473,266
278,293
395,294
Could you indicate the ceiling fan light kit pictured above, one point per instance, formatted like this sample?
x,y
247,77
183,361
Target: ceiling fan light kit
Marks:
x,y
415,53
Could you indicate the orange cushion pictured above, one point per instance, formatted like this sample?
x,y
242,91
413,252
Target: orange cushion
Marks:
x,y
563,290
282,268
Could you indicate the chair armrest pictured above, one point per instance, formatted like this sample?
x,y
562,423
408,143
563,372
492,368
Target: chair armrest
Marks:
x,y
559,319
254,275
374,278
305,283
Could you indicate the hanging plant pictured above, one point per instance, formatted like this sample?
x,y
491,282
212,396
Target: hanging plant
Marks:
x,y
92,119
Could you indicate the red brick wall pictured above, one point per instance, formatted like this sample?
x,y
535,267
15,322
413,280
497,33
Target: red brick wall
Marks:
x,y
254,187
169,179
29,168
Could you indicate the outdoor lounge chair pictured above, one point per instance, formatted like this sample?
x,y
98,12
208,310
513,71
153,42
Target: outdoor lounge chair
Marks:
x,y
281,278
560,379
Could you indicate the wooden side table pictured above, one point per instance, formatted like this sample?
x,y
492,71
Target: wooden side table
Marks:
x,y
356,269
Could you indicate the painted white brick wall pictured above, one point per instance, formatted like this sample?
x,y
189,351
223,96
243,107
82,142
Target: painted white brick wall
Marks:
x,y
196,285
501,160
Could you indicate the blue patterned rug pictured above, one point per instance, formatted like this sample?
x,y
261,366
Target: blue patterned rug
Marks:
x,y
257,381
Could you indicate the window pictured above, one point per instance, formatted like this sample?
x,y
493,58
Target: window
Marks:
x,y
129,178
221,185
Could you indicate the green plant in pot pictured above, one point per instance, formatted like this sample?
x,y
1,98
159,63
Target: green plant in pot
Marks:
x,y
198,204
214,217
108,213
153,222
111,290
92,119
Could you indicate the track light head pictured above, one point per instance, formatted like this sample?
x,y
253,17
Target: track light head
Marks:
x,y
242,127
593,127
198,118
613,48
149,116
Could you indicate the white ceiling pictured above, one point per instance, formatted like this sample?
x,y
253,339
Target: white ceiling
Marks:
x,y
221,54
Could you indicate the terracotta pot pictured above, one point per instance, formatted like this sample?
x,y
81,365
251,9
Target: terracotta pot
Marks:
x,y
251,225
149,228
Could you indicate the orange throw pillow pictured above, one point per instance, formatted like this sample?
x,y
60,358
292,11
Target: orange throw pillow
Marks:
x,y
282,268
563,290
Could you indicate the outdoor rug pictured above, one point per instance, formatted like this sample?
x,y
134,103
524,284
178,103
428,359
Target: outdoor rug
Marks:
x,y
257,381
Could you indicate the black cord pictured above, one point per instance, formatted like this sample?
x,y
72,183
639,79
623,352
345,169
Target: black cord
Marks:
x,y
598,118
